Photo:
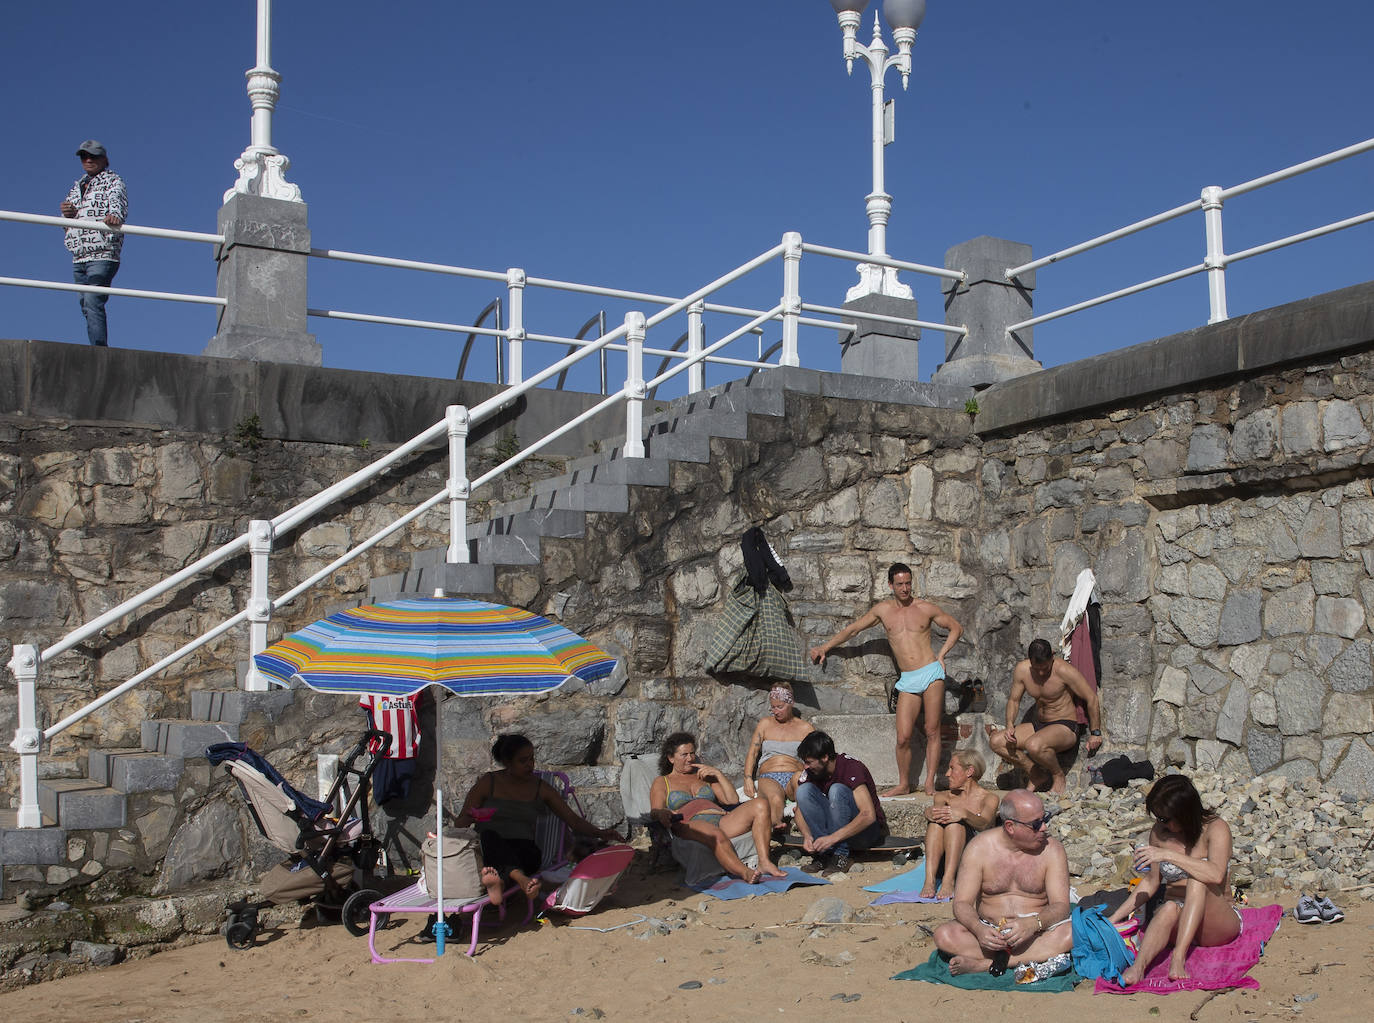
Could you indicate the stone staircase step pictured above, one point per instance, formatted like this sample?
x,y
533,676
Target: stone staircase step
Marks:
x,y
135,770
234,705
649,472
184,737
468,580
77,804
31,846
599,497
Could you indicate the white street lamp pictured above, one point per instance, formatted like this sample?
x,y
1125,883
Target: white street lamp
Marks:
x,y
904,17
262,169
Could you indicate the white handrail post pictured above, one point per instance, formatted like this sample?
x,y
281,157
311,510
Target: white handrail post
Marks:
x,y
696,335
634,385
260,535
28,740
791,297
515,285
459,489
1216,253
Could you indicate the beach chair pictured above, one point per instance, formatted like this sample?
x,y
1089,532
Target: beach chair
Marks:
x,y
554,839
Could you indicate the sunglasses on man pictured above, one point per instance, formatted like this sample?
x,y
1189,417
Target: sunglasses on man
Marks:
x,y
1036,825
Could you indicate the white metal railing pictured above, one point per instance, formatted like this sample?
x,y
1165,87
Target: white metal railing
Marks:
x,y
1216,259
130,229
259,538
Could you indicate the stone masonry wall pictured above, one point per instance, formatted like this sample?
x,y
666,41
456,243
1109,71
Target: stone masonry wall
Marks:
x,y
91,515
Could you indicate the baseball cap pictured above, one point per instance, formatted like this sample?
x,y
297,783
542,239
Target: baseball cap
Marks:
x,y
91,148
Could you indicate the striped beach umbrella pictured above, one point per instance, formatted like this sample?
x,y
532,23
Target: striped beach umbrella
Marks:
x,y
470,647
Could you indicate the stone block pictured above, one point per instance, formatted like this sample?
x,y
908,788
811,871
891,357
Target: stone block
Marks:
x,y
1290,611
1348,713
1353,670
1240,618
1299,702
1339,615
1342,427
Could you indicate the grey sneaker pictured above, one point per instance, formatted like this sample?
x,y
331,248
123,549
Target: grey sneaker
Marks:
x,y
1329,911
1307,911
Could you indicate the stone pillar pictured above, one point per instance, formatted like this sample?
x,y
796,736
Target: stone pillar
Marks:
x,y
262,272
987,303
880,349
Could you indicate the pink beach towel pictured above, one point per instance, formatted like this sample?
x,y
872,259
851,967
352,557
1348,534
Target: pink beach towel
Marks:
x,y
1224,966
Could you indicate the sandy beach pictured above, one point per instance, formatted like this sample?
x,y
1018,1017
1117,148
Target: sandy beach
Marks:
x,y
748,959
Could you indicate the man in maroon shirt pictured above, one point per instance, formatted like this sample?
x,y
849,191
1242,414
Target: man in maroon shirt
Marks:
x,y
837,805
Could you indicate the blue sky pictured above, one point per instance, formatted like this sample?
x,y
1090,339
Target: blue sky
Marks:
x,y
654,146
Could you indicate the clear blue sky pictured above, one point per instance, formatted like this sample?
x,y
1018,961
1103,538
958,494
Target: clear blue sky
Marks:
x,y
653,146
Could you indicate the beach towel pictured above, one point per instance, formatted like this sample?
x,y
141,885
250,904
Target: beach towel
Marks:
x,y
1210,969
729,888
904,887
1099,950
935,970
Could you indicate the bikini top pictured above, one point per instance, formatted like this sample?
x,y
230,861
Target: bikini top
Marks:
x,y
1171,873
677,800
775,748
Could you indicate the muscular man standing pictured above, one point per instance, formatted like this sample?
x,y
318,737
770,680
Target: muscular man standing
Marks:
x,y
1034,746
921,687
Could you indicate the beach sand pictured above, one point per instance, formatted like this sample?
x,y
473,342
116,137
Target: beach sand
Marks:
x,y
753,960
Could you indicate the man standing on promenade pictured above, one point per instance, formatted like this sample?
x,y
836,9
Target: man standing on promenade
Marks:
x,y
921,686
1034,746
99,194
1012,892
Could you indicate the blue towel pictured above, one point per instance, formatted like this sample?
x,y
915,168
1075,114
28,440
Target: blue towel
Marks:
x,y
1098,948
733,888
907,881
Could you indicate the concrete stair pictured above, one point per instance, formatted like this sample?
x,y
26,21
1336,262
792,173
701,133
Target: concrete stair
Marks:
x,y
681,431
100,799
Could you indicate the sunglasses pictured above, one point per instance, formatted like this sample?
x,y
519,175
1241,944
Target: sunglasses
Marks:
x,y
1036,825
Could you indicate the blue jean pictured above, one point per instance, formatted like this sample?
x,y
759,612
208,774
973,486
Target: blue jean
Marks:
x,y
98,273
827,813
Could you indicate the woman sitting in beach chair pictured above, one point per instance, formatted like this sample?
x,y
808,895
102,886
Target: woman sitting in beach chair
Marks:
x,y
690,800
505,806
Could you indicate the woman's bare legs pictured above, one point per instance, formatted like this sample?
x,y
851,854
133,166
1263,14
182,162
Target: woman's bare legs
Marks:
x,y
935,851
1207,918
754,817
955,837
705,831
1157,937
771,791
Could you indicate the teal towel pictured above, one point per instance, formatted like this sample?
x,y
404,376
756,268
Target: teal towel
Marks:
x,y
935,970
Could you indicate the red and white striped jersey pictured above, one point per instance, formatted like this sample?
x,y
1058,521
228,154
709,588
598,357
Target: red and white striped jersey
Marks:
x,y
399,717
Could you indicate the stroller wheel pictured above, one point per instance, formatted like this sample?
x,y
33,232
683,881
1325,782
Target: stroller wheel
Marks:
x,y
239,935
355,916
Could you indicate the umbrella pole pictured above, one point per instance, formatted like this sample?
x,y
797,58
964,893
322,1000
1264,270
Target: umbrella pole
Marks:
x,y
441,921
441,924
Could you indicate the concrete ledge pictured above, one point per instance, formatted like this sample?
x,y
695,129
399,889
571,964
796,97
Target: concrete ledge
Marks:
x,y
77,382
1313,328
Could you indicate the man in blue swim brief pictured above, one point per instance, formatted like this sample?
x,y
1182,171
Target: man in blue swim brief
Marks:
x,y
918,680
921,688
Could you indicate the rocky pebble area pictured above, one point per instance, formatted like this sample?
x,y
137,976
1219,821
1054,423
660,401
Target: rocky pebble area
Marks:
x,y
1287,834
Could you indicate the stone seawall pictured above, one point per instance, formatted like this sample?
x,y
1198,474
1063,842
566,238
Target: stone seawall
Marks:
x,y
1229,522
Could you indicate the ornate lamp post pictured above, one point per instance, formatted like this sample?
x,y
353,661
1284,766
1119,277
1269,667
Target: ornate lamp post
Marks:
x,y
904,17
262,169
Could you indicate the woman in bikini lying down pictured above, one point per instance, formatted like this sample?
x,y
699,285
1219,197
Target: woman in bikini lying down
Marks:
x,y
690,798
1185,884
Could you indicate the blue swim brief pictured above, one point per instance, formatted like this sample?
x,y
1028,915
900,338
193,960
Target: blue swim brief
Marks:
x,y
918,680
